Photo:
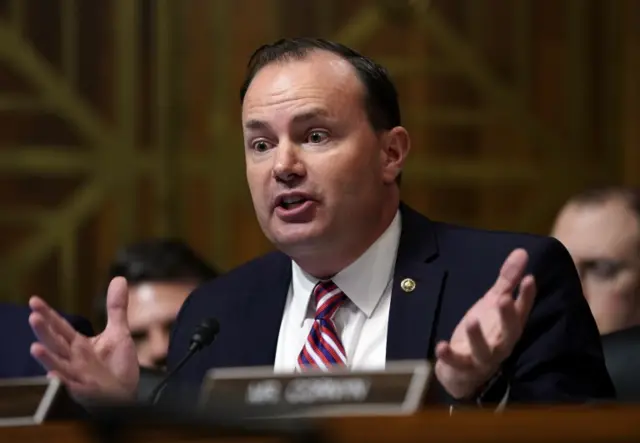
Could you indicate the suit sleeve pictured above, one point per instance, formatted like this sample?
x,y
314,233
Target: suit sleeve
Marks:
x,y
175,392
559,357
179,340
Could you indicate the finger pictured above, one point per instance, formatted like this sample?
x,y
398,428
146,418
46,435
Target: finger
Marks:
x,y
480,350
526,298
52,362
451,358
76,389
509,325
47,337
511,272
59,376
54,321
117,303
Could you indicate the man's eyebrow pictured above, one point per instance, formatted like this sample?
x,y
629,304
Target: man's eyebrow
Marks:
x,y
256,124
311,114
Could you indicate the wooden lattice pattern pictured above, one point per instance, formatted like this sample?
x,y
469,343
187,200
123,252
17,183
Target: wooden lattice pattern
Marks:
x,y
151,141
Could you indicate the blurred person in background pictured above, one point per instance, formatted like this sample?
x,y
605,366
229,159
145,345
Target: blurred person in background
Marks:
x,y
601,230
161,273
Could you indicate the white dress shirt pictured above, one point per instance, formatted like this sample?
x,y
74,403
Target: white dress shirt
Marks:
x,y
361,322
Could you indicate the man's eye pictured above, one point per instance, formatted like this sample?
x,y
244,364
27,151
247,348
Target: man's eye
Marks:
x,y
317,137
603,269
261,146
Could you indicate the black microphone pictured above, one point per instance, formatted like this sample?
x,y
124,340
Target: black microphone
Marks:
x,y
203,336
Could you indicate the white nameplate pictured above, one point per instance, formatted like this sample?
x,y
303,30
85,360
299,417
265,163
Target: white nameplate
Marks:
x,y
26,401
396,390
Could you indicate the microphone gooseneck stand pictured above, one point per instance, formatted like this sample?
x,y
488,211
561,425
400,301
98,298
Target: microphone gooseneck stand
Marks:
x,y
113,423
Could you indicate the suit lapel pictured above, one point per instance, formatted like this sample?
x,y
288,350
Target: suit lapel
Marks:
x,y
265,309
413,313
417,288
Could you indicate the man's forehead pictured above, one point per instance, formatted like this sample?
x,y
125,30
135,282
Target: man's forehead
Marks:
x,y
317,75
608,215
595,229
154,292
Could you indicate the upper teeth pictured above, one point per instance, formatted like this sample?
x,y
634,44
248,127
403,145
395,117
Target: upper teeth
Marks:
x,y
289,200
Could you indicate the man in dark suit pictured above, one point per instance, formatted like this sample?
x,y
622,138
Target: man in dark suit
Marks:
x,y
359,279
17,337
160,274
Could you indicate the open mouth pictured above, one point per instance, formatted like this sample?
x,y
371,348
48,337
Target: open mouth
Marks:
x,y
289,203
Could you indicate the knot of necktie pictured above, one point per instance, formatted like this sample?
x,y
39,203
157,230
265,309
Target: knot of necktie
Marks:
x,y
328,298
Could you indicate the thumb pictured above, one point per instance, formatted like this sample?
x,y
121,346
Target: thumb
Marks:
x,y
117,303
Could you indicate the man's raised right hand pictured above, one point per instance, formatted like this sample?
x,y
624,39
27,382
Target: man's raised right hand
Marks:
x,y
100,367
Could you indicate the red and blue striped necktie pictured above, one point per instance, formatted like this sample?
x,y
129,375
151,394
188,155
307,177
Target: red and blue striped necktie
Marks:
x,y
323,349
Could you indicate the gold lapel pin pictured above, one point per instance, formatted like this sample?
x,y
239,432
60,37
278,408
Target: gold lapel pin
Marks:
x,y
408,285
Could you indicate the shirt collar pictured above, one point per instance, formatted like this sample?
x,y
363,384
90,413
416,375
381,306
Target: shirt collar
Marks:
x,y
364,281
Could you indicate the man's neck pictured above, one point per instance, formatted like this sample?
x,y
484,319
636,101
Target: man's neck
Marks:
x,y
324,264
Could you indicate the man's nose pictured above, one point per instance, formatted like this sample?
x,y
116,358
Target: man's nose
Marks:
x,y
287,165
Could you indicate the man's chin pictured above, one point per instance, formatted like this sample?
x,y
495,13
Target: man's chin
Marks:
x,y
296,238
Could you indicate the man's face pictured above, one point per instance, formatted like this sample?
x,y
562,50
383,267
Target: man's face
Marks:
x,y
604,241
153,308
316,169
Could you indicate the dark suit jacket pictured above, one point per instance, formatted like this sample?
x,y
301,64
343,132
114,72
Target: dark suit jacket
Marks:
x,y
622,355
16,338
558,358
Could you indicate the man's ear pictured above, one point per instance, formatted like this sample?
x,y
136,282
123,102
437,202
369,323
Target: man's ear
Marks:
x,y
394,153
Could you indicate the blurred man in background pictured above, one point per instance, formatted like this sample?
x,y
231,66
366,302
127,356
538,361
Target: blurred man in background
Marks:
x,y
161,274
601,230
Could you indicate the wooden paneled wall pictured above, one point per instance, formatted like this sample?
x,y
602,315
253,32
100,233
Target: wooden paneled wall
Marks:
x,y
120,119
629,77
